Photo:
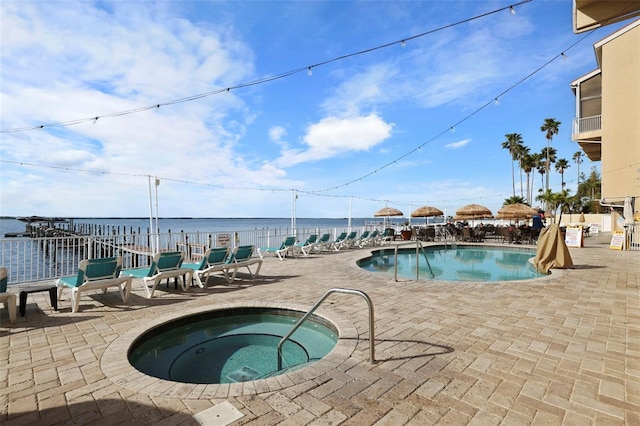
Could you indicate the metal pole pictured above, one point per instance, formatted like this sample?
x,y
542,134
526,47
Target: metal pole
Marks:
x,y
293,212
395,263
151,213
349,221
157,228
372,351
417,260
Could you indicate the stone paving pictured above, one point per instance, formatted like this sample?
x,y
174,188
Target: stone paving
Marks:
x,y
564,349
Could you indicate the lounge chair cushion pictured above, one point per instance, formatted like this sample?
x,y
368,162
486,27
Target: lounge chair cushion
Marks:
x,y
96,269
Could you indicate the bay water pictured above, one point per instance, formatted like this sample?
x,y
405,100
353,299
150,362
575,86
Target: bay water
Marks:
x,y
12,225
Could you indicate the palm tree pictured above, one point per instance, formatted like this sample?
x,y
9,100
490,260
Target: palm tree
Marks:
x,y
541,167
553,200
527,163
514,140
521,152
551,127
547,157
561,166
577,157
514,200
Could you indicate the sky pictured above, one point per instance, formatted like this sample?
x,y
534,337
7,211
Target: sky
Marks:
x,y
279,108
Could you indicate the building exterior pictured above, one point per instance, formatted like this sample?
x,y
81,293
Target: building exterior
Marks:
x,y
607,124
591,14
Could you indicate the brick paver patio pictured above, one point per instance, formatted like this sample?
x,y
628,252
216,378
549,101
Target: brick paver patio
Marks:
x,y
561,350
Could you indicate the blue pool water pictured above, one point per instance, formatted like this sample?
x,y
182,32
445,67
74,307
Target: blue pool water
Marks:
x,y
461,263
231,346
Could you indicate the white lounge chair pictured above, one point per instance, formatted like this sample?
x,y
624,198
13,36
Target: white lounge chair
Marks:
x,y
8,299
345,243
214,260
308,245
323,243
95,274
242,256
339,239
288,246
370,240
358,241
165,265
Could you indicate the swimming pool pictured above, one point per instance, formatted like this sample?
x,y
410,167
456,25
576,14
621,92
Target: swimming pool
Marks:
x,y
458,263
230,346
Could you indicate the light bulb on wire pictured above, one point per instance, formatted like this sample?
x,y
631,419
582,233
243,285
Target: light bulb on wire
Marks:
x,y
512,10
309,71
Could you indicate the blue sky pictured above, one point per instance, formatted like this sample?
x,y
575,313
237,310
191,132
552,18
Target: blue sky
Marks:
x,y
349,137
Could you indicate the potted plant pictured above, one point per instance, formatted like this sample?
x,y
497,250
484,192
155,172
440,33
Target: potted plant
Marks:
x,y
406,231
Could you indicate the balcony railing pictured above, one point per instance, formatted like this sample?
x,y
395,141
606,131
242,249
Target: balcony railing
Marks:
x,y
587,124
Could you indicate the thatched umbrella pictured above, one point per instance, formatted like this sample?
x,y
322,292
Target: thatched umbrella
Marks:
x,y
427,211
386,212
474,210
516,211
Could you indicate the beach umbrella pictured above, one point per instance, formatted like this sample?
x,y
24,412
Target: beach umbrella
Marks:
x,y
475,211
427,211
516,211
627,211
386,212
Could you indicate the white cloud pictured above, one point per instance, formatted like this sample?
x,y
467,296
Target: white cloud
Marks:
x,y
67,60
332,136
276,134
361,91
456,145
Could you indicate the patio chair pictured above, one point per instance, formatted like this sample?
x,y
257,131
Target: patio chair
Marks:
x,y
242,256
346,242
95,274
388,235
214,260
370,240
363,236
287,246
165,265
430,234
8,299
308,245
323,243
337,241
468,235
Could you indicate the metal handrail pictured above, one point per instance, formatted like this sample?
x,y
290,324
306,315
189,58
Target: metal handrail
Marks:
x,y
419,246
372,357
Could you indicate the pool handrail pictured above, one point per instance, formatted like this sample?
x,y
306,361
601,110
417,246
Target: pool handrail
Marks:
x,y
372,357
419,247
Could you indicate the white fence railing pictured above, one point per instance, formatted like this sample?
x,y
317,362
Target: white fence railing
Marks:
x,y
633,237
587,124
48,258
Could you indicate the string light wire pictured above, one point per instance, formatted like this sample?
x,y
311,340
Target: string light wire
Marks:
x,y
321,192
464,119
272,190
263,80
